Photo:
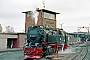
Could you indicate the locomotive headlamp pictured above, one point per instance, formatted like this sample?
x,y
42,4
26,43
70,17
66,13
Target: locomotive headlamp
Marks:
x,y
26,44
60,38
41,26
32,26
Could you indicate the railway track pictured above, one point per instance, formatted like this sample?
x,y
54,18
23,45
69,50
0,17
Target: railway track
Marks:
x,y
82,54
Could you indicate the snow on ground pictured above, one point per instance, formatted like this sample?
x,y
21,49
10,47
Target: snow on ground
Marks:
x,y
66,51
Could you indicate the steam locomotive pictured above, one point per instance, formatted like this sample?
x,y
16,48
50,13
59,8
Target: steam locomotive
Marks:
x,y
43,40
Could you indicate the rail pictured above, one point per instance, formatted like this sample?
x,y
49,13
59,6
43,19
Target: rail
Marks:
x,y
86,53
81,55
74,58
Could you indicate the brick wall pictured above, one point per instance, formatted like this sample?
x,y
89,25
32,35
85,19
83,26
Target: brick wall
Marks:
x,y
28,22
40,20
21,40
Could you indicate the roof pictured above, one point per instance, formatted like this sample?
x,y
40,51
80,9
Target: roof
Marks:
x,y
26,12
44,10
13,33
9,33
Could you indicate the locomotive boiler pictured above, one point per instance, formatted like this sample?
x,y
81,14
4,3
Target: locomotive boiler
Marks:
x,y
42,41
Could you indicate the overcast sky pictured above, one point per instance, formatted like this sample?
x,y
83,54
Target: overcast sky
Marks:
x,y
73,13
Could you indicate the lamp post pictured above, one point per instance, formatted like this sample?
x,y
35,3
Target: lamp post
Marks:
x,y
61,25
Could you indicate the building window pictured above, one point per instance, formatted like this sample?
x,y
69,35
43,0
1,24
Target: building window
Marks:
x,y
49,16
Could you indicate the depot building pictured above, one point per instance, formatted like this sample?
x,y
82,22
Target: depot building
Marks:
x,y
12,40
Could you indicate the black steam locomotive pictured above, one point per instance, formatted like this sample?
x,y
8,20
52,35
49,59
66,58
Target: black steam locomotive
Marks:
x,y
43,41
